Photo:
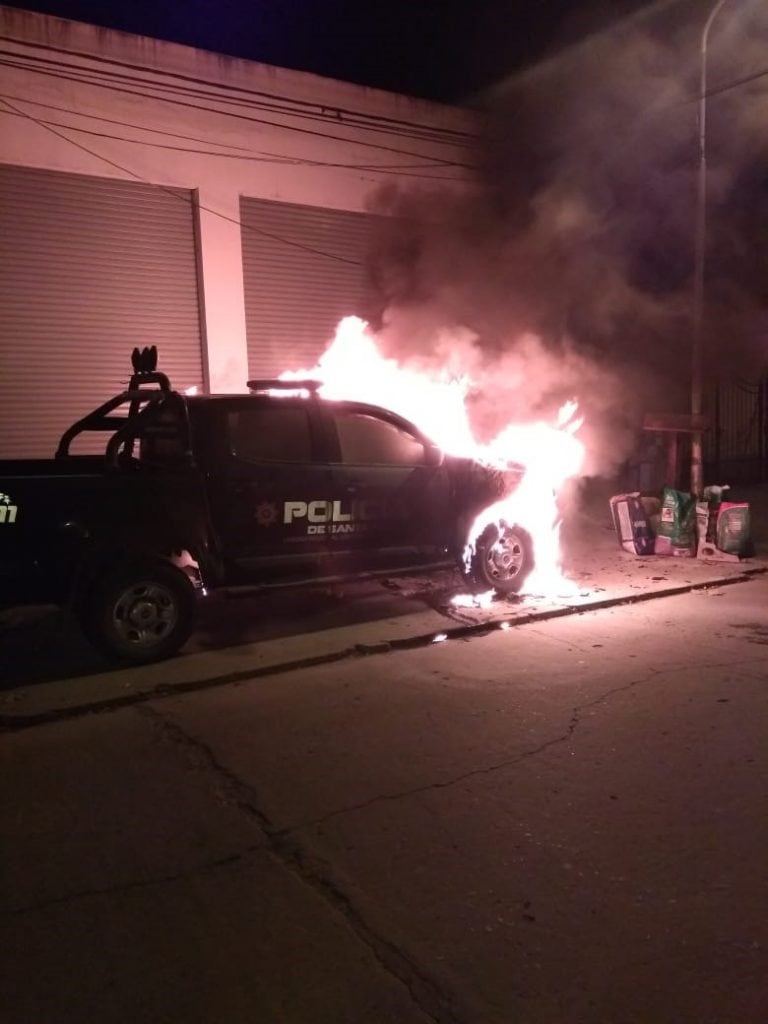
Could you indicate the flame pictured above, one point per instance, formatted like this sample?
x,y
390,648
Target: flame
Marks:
x,y
551,455
484,600
352,368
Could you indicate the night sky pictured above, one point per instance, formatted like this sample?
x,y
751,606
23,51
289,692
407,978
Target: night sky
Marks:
x,y
445,50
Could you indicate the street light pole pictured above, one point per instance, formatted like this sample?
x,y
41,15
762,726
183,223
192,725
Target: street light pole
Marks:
x,y
700,241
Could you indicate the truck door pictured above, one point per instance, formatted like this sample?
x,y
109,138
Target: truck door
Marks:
x,y
271,489
392,485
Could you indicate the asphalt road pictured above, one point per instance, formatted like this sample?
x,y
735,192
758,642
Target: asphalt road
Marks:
x,y
42,644
565,822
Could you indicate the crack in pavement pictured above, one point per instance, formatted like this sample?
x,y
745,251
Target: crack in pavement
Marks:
x,y
563,641
144,883
285,848
312,872
524,755
474,772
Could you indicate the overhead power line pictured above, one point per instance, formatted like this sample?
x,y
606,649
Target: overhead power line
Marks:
x,y
172,92
58,75
175,193
736,83
241,152
312,107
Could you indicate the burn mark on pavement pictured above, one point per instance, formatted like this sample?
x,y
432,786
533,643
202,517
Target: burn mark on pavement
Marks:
x,y
759,631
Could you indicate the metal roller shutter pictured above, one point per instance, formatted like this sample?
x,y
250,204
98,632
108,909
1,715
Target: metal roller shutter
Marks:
x,y
304,269
89,267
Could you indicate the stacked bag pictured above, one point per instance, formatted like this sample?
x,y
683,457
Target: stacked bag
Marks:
x,y
724,527
676,532
681,527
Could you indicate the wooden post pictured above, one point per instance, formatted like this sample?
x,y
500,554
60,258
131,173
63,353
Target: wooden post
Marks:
x,y
672,452
675,426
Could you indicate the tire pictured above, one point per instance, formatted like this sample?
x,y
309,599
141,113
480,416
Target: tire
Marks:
x,y
503,560
140,613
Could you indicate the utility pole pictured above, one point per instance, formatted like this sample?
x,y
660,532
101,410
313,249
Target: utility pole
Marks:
x,y
700,245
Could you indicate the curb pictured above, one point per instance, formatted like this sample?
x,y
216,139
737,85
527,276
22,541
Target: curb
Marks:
x,y
22,720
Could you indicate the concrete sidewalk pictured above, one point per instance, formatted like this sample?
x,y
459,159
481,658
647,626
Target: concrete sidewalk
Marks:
x,y
599,572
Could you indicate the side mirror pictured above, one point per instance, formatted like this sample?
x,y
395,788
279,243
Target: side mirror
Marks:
x,y
434,456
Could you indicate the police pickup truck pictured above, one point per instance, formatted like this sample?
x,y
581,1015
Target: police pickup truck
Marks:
x,y
274,487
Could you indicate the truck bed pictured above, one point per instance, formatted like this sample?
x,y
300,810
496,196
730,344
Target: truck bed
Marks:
x,y
73,465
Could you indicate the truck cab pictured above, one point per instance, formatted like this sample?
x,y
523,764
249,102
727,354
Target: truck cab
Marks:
x,y
267,488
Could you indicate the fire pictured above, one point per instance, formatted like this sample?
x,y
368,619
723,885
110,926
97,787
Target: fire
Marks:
x,y
352,368
551,455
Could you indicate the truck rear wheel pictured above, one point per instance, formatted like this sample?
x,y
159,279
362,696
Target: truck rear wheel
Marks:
x,y
140,613
503,559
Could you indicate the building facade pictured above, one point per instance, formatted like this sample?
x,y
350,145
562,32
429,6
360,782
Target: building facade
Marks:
x,y
152,193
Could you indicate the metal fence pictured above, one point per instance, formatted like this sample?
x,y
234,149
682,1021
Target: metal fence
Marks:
x,y
735,446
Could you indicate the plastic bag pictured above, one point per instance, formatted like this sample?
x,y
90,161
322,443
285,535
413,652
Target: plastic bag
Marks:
x,y
631,523
676,534
733,527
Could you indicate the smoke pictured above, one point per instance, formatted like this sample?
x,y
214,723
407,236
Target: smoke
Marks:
x,y
566,271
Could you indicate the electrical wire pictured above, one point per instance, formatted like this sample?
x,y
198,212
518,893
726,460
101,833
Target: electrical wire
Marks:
x,y
179,95
277,103
321,110
433,162
244,153
176,195
59,76
735,83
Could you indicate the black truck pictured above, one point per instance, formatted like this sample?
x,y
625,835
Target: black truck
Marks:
x,y
274,487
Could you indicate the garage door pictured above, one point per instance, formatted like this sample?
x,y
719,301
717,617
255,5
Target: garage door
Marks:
x,y
89,267
304,269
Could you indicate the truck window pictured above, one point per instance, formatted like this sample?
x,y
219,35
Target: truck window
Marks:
x,y
273,433
367,440
162,440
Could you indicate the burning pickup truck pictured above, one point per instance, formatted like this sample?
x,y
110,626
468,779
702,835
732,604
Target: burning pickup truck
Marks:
x,y
275,487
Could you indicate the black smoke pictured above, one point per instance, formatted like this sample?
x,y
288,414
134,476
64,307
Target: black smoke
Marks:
x,y
568,263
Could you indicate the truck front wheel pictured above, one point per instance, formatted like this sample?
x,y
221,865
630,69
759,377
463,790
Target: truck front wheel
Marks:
x,y
502,560
140,613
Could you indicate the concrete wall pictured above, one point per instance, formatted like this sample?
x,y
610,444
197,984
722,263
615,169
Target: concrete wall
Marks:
x,y
82,99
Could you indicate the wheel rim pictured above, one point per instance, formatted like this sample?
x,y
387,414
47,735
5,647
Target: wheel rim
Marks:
x,y
144,614
505,558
